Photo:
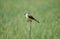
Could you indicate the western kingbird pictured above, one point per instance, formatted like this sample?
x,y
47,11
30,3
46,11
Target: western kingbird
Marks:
x,y
29,17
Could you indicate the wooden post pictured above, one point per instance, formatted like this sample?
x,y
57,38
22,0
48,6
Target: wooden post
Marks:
x,y
30,30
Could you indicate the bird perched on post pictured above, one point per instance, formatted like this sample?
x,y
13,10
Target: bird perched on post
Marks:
x,y
30,17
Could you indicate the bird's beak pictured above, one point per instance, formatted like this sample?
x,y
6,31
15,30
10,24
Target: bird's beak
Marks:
x,y
24,13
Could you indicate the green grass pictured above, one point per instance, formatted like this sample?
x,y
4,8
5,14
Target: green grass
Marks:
x,y
12,19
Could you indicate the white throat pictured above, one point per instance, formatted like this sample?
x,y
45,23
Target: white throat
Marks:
x,y
27,15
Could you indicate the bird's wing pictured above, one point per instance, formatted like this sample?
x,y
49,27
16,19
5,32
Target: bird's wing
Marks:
x,y
30,17
33,18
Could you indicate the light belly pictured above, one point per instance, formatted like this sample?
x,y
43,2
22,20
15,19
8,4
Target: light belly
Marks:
x,y
29,19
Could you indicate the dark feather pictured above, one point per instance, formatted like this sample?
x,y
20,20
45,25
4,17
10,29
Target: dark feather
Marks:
x,y
33,18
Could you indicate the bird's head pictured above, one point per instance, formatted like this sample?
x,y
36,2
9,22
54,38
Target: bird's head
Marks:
x,y
26,13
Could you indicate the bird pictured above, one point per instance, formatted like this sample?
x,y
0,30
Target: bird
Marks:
x,y
29,17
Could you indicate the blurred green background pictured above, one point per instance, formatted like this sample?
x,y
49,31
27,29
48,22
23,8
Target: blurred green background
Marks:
x,y
13,24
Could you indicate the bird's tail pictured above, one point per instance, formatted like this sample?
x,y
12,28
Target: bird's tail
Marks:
x,y
36,21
